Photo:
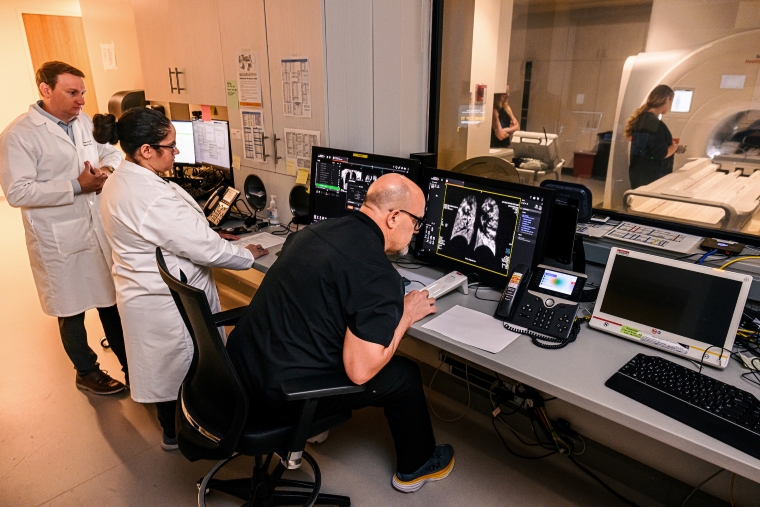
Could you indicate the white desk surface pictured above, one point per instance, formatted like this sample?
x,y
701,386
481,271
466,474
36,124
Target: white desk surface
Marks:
x,y
577,374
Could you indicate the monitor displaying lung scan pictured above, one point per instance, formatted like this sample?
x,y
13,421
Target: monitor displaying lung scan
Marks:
x,y
483,226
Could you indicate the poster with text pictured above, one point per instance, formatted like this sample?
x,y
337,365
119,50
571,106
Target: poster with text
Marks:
x,y
296,89
298,144
252,121
249,79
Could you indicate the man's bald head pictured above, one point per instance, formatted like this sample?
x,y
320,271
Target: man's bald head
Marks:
x,y
389,201
392,191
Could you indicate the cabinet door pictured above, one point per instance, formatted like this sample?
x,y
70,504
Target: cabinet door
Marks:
x,y
195,28
242,29
294,32
156,44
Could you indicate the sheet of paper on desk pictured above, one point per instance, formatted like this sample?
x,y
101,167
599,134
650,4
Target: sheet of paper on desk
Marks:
x,y
264,239
472,328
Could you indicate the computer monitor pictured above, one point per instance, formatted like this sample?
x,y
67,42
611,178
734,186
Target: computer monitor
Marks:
x,y
682,100
482,226
212,143
340,179
185,142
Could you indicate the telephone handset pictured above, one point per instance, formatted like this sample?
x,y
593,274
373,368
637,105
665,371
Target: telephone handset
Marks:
x,y
519,278
544,303
218,205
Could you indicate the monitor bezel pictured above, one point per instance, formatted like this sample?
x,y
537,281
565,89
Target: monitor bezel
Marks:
x,y
485,276
415,172
623,328
182,164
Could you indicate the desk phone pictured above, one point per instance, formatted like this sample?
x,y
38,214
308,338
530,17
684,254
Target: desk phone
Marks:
x,y
218,205
544,302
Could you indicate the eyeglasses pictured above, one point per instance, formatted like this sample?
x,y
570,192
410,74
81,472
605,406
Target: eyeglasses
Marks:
x,y
418,222
172,146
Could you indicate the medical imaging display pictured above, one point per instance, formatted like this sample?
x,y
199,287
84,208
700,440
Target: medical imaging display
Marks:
x,y
483,224
478,227
340,179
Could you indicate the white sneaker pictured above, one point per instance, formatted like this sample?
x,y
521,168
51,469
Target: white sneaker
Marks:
x,y
318,439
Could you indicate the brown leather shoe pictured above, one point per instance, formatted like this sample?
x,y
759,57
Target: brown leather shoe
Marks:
x,y
99,382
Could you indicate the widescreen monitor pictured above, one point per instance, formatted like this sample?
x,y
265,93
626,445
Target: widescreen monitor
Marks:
x,y
212,143
340,179
185,142
483,226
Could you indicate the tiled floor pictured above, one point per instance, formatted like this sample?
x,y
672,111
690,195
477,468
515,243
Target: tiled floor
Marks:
x,y
63,447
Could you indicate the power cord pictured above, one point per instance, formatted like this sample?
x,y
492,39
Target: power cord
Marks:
x,y
469,394
700,485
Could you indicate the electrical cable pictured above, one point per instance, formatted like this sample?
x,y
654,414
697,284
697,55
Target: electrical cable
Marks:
x,y
597,479
705,256
469,394
746,257
699,486
478,287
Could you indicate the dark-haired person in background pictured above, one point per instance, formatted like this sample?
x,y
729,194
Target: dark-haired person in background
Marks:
x,y
51,168
652,146
140,212
503,122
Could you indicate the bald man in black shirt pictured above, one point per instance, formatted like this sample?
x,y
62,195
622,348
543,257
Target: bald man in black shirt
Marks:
x,y
334,301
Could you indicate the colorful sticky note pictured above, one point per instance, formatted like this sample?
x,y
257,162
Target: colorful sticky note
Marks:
x,y
303,176
236,162
206,113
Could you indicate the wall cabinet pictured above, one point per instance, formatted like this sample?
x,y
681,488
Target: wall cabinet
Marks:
x,y
180,50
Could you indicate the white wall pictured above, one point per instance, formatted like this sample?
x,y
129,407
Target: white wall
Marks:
x,y
18,87
685,24
377,73
105,22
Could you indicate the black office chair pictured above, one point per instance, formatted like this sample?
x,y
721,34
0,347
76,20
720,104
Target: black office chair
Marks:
x,y
212,413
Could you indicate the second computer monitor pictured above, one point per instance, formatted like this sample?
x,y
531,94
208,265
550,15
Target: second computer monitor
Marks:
x,y
340,179
212,143
185,142
482,226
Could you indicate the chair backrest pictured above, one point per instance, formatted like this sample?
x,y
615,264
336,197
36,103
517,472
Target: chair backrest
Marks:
x,y
212,406
494,168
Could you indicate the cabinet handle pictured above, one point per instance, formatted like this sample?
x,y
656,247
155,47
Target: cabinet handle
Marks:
x,y
179,88
264,147
276,158
171,82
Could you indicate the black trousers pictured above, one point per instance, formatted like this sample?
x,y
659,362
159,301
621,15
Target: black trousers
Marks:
x,y
74,338
397,388
165,410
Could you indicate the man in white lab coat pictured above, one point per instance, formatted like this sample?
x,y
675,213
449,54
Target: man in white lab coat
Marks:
x,y
52,168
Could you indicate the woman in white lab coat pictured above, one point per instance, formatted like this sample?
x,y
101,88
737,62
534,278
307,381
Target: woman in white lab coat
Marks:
x,y
140,212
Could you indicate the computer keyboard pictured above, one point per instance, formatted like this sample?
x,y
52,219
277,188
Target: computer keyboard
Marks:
x,y
724,412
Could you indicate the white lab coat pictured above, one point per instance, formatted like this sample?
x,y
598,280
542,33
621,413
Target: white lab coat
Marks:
x,y
140,212
68,250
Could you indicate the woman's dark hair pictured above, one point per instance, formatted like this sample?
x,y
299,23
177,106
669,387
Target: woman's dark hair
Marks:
x,y
657,98
136,127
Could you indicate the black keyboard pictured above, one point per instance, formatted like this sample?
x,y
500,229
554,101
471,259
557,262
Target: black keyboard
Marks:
x,y
722,411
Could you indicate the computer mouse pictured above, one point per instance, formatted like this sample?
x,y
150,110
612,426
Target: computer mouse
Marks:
x,y
406,281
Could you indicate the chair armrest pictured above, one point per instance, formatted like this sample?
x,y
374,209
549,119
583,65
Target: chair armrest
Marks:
x,y
229,317
319,386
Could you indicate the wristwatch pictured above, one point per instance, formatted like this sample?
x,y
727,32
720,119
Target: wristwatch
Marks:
x,y
108,168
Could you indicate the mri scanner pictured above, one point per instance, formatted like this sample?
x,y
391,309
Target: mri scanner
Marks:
x,y
716,115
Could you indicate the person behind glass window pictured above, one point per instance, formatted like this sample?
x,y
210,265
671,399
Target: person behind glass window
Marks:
x,y
652,145
504,123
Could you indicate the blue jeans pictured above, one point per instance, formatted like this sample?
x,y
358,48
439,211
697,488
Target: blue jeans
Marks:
x,y
74,338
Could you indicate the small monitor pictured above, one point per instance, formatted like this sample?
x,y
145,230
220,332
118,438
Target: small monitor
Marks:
x,y
212,143
675,306
340,179
483,226
682,101
185,142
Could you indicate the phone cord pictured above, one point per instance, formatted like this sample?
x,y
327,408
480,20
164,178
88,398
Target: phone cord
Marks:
x,y
549,342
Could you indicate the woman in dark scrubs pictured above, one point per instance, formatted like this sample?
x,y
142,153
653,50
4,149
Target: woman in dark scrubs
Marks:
x,y
503,123
652,146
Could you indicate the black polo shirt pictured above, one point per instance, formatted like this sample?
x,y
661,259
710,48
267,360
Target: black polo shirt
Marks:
x,y
330,276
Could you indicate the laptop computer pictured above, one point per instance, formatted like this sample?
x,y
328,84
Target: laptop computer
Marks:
x,y
682,308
